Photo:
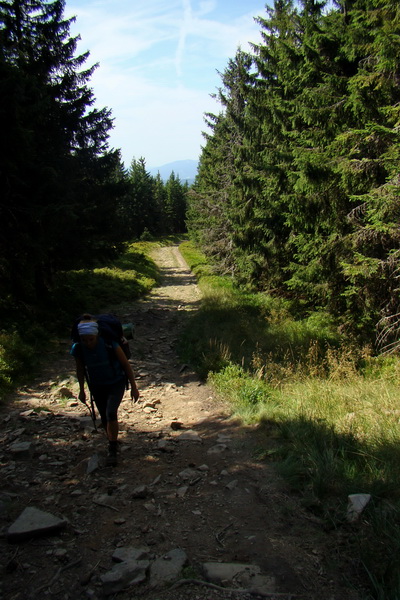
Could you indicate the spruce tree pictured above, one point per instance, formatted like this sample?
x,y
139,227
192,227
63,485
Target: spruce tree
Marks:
x,y
142,208
160,196
218,201
298,188
175,204
56,154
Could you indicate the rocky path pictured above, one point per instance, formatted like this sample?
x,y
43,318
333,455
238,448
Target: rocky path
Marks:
x,y
188,501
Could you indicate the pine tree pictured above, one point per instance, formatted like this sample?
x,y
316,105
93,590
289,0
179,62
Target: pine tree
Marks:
x,y
142,209
298,187
56,152
175,204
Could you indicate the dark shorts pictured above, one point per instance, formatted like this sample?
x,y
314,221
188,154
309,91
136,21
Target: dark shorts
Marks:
x,y
107,399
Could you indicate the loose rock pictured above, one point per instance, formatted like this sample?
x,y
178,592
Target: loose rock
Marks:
x,y
123,575
167,568
33,522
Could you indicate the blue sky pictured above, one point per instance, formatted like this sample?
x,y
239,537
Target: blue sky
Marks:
x,y
158,66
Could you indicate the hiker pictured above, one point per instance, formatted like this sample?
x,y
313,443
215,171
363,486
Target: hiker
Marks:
x,y
107,369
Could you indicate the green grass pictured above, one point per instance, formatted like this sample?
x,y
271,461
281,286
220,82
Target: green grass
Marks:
x,y
328,408
352,422
103,287
129,277
249,327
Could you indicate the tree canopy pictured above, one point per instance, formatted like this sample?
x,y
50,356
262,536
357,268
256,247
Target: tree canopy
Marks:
x,y
299,171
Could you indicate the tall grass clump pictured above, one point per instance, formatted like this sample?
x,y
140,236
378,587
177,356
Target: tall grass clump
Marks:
x,y
330,436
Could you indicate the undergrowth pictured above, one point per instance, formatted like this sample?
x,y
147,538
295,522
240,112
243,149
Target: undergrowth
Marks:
x,y
27,333
329,409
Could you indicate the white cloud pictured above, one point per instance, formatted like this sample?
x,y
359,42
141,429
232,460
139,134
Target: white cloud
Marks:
x,y
158,67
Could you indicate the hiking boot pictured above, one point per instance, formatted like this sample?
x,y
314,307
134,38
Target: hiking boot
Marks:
x,y
112,459
112,455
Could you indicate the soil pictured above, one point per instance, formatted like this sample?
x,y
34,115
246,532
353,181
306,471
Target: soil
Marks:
x,y
204,489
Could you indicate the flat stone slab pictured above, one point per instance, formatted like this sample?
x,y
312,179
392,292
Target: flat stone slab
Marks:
x,y
356,505
189,436
128,553
247,576
33,522
123,575
93,464
86,423
167,568
217,449
140,492
105,500
21,450
188,474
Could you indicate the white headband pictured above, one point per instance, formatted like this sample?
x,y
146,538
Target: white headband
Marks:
x,y
90,328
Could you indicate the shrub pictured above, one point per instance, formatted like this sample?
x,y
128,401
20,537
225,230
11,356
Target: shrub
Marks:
x,y
17,358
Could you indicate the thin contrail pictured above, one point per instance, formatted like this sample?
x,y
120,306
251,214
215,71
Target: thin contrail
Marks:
x,y
187,17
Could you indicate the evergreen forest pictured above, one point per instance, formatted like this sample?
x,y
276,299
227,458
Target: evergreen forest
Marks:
x,y
293,222
298,186
67,200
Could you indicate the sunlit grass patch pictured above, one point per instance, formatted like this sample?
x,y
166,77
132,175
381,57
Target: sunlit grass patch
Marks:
x,y
196,260
104,286
127,278
250,328
347,428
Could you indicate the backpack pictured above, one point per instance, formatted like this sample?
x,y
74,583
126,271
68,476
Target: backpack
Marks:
x,y
111,330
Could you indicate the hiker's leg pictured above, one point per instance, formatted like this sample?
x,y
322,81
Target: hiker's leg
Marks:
x,y
115,396
112,431
116,393
100,395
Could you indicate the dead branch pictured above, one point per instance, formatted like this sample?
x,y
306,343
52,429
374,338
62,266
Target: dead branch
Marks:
x,y
105,505
73,563
251,592
86,578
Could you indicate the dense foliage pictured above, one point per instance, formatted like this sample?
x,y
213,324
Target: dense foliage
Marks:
x,y
57,171
66,199
298,184
153,207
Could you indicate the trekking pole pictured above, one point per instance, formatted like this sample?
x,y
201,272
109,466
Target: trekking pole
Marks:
x,y
91,411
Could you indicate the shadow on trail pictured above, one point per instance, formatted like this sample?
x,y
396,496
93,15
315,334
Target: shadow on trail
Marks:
x,y
170,277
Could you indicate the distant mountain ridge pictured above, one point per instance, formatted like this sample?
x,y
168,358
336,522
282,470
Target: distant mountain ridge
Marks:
x,y
186,170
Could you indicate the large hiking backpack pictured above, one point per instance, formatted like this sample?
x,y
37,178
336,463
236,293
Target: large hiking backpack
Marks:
x,y
111,330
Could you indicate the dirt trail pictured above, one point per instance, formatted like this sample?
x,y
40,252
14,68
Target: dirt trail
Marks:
x,y
187,478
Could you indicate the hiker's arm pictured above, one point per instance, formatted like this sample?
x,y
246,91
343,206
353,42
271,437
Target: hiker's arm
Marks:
x,y
126,365
80,373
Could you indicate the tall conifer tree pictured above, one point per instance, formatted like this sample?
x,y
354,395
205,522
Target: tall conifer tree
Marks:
x,y
142,208
56,152
311,205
